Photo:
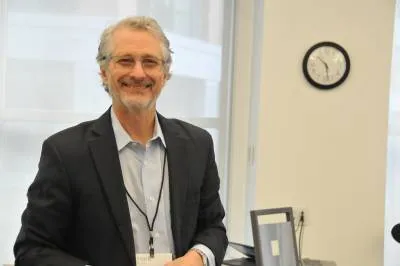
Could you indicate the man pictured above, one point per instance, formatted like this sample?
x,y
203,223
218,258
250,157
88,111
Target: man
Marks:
x,y
131,187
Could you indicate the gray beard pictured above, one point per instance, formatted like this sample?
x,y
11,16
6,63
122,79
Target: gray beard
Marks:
x,y
134,105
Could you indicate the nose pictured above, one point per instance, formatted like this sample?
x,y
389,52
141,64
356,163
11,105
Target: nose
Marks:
x,y
138,71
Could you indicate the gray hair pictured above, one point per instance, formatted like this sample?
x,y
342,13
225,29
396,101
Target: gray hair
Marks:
x,y
136,23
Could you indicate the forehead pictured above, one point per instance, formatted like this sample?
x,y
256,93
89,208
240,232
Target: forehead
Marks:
x,y
135,42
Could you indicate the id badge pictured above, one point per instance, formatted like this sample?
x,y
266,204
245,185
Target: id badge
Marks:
x,y
159,259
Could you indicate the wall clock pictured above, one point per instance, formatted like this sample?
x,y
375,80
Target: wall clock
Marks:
x,y
326,65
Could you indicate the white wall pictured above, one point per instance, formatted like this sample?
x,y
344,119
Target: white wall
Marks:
x,y
325,150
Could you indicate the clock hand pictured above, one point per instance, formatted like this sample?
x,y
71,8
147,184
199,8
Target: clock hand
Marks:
x,y
325,64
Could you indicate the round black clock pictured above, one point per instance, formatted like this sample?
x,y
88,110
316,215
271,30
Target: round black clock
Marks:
x,y
326,65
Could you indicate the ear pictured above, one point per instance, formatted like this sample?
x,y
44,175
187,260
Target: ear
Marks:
x,y
167,75
164,80
103,75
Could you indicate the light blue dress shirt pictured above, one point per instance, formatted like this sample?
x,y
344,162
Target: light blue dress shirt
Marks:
x,y
142,168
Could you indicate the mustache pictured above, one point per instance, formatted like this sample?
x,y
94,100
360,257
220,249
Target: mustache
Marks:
x,y
136,82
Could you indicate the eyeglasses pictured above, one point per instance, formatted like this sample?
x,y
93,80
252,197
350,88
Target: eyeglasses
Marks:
x,y
150,64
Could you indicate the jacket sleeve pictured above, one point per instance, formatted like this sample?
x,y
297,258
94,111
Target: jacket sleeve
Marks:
x,y
210,229
43,238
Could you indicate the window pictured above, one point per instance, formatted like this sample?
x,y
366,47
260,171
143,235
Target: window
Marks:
x,y
392,255
49,79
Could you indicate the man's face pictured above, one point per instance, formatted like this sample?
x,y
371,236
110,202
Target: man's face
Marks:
x,y
135,73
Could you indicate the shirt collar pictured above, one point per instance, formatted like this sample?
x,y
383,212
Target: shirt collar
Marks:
x,y
122,137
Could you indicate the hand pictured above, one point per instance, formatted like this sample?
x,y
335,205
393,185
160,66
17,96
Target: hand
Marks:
x,y
191,258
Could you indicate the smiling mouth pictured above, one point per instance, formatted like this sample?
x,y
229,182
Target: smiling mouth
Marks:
x,y
146,85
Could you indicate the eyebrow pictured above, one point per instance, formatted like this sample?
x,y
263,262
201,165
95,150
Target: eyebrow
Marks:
x,y
143,55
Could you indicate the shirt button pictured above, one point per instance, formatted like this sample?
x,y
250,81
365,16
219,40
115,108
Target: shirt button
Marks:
x,y
152,199
156,234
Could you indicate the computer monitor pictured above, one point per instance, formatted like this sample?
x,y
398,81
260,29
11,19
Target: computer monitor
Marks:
x,y
274,237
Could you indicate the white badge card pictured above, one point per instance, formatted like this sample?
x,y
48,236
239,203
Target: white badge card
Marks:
x,y
158,260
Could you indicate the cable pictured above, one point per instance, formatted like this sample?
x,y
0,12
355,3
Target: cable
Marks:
x,y
301,222
298,224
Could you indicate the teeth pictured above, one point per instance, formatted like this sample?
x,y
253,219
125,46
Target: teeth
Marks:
x,y
146,85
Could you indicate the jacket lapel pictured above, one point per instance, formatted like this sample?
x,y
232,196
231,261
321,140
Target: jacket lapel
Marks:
x,y
178,171
104,151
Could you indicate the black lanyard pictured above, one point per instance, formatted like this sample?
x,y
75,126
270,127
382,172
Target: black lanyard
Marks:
x,y
151,240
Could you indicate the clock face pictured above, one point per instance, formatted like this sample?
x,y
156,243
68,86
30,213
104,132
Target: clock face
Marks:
x,y
326,65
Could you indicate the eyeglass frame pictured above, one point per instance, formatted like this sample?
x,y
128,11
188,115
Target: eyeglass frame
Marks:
x,y
161,62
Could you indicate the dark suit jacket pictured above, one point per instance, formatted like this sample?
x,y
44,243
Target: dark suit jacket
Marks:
x,y
77,210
